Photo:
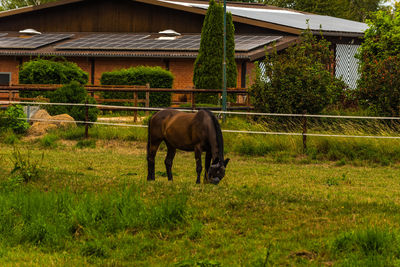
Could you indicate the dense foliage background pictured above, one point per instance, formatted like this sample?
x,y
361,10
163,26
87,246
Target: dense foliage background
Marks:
x,y
379,85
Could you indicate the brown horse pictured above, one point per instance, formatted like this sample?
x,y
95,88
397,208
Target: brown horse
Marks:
x,y
196,132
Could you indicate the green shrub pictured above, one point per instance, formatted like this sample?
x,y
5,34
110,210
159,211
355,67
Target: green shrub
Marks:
x,y
41,71
72,93
12,119
298,80
378,86
155,76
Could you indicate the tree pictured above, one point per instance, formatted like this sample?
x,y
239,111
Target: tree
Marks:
x,y
208,73
298,80
379,84
12,4
358,10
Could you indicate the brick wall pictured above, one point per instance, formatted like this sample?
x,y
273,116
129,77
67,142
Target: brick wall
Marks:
x,y
9,64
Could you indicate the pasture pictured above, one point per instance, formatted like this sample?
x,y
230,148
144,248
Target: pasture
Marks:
x,y
90,204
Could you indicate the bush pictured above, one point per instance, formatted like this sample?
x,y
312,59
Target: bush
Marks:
x,y
298,80
72,93
13,119
155,76
41,71
378,86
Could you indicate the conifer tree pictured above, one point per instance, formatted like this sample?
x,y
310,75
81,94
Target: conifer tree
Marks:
x,y
208,73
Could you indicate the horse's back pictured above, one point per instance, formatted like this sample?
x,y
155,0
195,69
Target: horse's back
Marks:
x,y
179,129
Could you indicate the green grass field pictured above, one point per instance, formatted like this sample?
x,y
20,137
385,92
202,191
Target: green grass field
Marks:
x,y
89,204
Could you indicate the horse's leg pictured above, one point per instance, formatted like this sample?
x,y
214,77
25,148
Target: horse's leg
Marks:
x,y
197,155
207,164
168,160
151,154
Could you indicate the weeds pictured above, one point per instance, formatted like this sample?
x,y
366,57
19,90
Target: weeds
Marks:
x,y
25,168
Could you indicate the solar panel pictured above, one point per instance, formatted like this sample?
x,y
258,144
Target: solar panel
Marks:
x,y
32,42
145,42
250,42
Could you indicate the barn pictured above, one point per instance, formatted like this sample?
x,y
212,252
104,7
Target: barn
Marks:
x,y
103,35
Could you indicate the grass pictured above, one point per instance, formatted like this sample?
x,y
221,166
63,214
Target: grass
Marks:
x,y
92,206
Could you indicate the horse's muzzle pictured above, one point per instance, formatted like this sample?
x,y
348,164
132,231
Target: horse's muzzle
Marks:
x,y
215,180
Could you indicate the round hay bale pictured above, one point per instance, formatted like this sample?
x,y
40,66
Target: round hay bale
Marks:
x,y
41,128
40,115
65,121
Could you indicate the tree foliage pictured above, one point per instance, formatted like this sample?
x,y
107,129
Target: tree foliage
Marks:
x,y
379,84
298,80
12,4
208,72
358,10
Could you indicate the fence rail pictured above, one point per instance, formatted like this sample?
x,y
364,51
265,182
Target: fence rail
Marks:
x,y
14,90
304,134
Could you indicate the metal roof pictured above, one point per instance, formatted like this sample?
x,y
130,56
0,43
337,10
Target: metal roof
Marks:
x,y
288,18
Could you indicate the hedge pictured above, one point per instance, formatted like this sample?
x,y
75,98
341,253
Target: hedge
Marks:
x,y
42,71
155,76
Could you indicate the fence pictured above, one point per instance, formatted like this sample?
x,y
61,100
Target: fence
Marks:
x,y
304,134
242,93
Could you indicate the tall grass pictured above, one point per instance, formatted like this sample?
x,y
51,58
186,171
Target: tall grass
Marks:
x,y
51,219
381,151
105,133
367,247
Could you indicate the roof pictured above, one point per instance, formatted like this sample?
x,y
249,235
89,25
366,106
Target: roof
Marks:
x,y
287,18
129,45
281,19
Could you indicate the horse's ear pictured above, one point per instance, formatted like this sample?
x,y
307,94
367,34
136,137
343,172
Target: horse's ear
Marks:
x,y
226,161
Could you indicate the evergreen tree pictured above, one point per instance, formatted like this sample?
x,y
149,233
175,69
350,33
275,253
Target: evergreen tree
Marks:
x,y
208,72
231,69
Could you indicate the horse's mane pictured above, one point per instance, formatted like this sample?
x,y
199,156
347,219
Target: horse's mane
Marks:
x,y
218,133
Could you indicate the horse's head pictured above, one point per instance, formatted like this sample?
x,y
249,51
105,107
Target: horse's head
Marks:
x,y
217,171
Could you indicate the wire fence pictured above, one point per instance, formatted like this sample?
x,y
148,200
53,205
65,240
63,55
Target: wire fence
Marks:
x,y
304,133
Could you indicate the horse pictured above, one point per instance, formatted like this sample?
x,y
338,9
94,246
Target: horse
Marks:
x,y
196,132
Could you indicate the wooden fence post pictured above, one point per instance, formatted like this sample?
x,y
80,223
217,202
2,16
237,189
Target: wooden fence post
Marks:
x,y
192,94
304,132
147,98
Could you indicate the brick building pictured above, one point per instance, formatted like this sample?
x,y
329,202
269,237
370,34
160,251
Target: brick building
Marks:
x,y
102,35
